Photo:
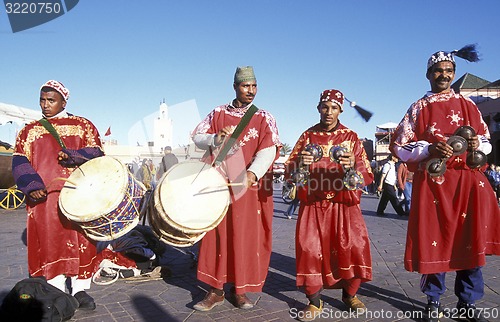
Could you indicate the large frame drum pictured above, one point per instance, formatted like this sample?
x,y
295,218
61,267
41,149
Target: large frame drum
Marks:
x,y
103,198
190,199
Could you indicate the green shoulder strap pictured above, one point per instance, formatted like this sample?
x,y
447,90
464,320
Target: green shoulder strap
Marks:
x,y
46,124
237,131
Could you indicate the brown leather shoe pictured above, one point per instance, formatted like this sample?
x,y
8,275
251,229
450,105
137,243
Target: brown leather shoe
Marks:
x,y
210,301
242,301
310,312
354,304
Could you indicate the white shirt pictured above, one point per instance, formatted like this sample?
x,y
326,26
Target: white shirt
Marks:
x,y
389,169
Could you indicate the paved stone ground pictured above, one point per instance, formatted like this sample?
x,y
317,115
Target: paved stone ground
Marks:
x,y
393,295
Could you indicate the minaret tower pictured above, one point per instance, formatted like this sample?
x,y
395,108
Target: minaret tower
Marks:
x,y
163,128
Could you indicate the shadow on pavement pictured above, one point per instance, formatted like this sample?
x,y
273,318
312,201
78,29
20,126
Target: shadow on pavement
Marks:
x,y
149,310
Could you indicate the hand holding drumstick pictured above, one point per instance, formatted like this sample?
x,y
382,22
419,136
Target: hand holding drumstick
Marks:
x,y
61,156
42,193
251,179
38,194
223,133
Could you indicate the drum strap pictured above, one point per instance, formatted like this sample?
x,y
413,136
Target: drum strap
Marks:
x,y
237,131
49,127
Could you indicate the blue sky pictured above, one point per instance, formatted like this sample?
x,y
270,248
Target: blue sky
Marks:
x,y
120,59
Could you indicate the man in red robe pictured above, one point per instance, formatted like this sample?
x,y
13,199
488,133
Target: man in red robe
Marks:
x,y
454,218
238,250
332,245
57,249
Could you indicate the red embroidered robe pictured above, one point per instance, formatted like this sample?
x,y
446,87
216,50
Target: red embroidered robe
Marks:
x,y
453,225
238,250
331,237
55,245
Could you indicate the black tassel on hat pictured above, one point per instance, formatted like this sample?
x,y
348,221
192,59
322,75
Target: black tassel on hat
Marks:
x,y
366,115
468,53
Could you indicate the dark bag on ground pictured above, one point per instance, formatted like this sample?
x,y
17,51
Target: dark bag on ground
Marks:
x,y
33,299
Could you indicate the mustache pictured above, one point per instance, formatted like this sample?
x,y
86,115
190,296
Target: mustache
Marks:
x,y
439,79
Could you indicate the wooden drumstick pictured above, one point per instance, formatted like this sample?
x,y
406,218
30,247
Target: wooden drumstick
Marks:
x,y
229,184
234,184
62,179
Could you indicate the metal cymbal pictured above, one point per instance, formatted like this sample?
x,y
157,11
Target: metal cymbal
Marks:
x,y
458,143
315,150
465,131
336,152
436,167
475,159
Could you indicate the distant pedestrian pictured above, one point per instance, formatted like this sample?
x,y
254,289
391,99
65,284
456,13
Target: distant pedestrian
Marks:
x,y
153,171
405,184
167,161
135,167
292,207
388,187
377,173
145,174
491,174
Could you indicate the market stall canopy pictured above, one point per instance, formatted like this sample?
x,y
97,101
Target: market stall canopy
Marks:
x,y
388,125
16,114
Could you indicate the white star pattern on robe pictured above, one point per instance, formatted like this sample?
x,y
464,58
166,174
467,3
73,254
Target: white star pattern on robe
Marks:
x,y
432,129
454,117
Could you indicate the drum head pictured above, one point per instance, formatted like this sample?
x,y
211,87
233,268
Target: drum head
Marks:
x,y
192,197
94,189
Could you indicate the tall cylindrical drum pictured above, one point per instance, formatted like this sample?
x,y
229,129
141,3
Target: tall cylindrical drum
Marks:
x,y
103,198
191,198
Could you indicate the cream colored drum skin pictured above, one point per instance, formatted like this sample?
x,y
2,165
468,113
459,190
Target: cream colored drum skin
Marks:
x,y
103,197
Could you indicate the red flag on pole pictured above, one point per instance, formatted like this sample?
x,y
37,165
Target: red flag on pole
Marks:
x,y
108,132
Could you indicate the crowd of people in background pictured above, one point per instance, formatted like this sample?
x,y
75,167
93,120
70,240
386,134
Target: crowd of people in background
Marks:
x,y
493,175
147,172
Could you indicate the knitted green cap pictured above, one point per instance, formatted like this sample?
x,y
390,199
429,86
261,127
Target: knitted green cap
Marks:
x,y
244,74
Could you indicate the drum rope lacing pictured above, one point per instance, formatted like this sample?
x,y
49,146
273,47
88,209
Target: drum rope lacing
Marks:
x,y
112,221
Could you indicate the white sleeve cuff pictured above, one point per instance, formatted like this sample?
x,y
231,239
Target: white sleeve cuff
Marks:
x,y
263,161
413,152
484,145
204,141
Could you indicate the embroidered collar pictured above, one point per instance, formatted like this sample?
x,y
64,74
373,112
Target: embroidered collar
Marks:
x,y
451,93
237,111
